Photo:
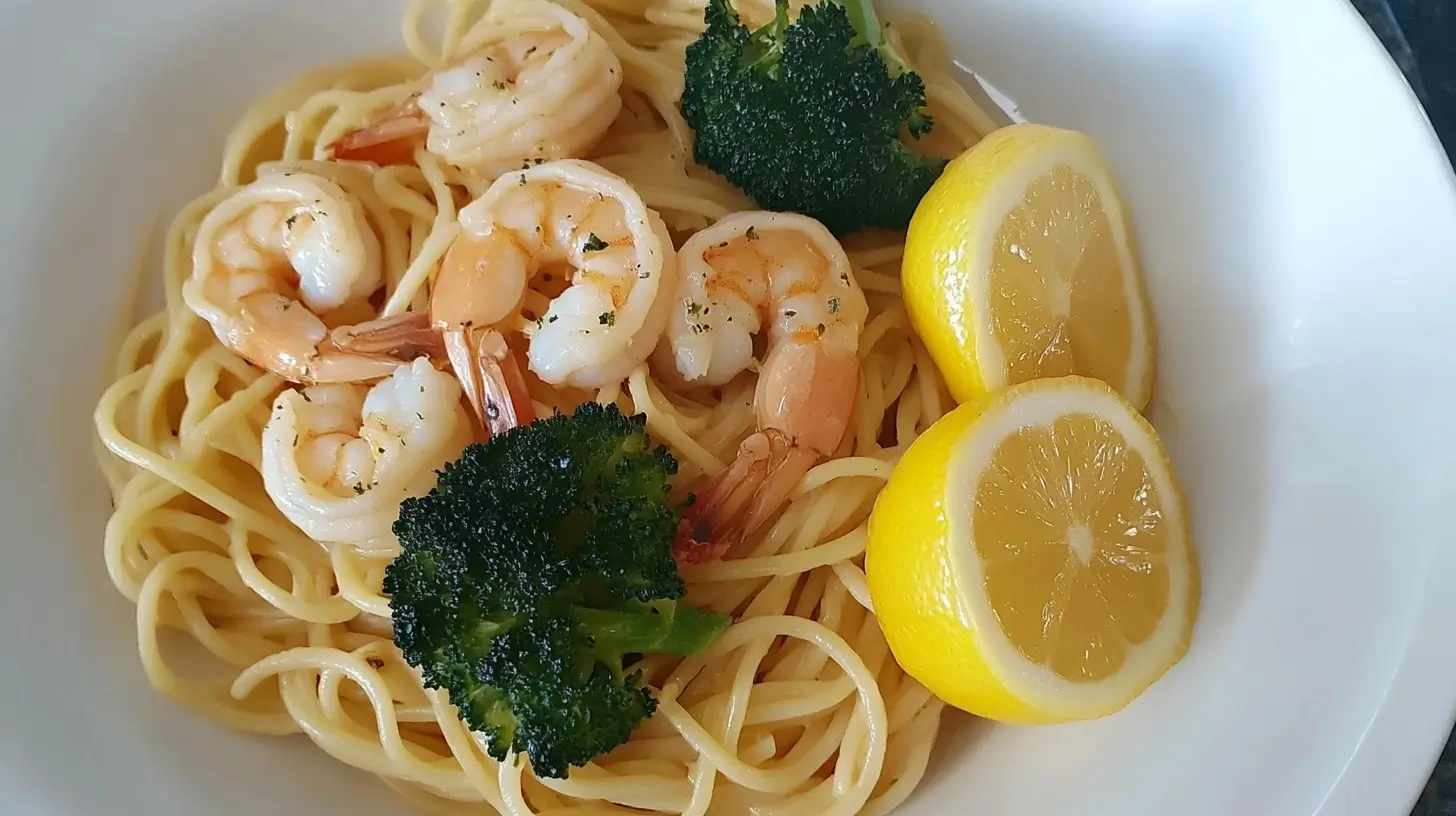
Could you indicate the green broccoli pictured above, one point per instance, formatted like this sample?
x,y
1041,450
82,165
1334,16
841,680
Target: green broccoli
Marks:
x,y
539,563
806,116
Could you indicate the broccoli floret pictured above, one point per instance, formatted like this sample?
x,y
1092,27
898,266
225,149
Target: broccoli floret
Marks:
x,y
806,116
530,575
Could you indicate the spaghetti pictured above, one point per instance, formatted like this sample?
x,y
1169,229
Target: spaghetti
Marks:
x,y
797,710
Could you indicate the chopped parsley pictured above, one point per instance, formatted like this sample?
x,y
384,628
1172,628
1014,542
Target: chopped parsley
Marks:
x,y
834,305
607,318
593,243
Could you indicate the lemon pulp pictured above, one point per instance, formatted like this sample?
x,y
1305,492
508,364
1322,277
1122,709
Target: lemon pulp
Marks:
x,y
1070,533
1019,264
1057,304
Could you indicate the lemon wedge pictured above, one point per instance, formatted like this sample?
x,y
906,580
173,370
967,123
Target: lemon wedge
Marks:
x,y
1019,264
1030,560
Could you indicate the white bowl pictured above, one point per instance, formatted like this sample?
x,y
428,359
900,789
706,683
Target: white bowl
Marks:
x,y
1298,224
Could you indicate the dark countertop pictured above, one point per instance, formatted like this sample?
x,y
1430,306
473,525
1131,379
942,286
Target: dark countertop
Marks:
x,y
1421,36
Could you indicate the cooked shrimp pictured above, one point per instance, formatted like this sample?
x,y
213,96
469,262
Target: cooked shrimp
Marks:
x,y
545,86
338,458
789,270
568,218
269,265
575,219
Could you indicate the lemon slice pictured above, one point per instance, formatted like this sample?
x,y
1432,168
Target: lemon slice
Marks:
x,y
1030,559
1019,264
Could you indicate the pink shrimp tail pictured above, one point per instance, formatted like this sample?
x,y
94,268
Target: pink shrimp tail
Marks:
x,y
391,140
743,497
403,337
488,369
490,373
372,350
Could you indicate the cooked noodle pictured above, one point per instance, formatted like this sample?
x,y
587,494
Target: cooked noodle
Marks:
x,y
798,709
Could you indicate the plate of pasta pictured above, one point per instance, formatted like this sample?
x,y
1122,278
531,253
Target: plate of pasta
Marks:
x,y
700,407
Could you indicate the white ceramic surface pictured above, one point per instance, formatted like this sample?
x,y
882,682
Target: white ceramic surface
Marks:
x,y
1298,226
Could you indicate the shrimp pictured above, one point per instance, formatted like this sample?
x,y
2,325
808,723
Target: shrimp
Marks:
x,y
272,261
790,270
545,87
338,458
570,218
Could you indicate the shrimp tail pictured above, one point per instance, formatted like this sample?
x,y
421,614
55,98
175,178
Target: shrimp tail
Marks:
x,y
490,373
743,497
374,349
390,141
403,337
